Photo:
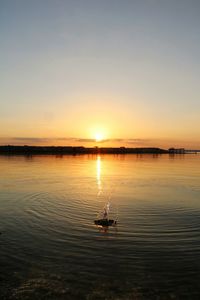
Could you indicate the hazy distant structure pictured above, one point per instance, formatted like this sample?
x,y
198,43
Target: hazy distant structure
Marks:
x,y
192,151
176,151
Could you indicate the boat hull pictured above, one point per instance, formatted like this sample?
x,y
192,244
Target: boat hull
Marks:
x,y
105,222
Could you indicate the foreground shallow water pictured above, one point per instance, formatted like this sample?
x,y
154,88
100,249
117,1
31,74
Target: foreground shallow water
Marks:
x,y
51,249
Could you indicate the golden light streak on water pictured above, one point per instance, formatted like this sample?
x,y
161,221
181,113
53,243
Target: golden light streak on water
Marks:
x,y
98,169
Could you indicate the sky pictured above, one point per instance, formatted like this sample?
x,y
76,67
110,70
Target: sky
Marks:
x,y
107,73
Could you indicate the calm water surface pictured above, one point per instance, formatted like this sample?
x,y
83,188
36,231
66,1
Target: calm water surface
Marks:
x,y
50,248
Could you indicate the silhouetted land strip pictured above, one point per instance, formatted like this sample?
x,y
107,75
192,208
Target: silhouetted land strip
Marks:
x,y
58,150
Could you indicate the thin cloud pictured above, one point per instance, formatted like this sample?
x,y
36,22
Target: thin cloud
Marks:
x,y
70,140
29,139
85,140
137,141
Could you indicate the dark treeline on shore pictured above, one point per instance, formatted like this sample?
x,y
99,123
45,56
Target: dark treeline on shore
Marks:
x,y
60,150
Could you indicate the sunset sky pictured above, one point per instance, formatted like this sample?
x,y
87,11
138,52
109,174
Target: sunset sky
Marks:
x,y
106,72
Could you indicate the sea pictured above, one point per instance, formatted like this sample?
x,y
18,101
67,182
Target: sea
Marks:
x,y
50,247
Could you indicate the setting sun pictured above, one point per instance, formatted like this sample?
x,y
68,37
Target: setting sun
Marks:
x,y
99,137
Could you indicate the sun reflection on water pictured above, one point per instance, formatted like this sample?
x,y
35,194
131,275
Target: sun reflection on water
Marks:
x,y
98,168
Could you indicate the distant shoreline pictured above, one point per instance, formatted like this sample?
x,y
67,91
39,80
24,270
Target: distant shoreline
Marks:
x,y
70,150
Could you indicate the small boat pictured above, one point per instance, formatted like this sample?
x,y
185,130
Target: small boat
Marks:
x,y
105,221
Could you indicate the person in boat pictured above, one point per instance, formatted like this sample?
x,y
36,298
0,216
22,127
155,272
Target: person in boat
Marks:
x,y
105,214
105,211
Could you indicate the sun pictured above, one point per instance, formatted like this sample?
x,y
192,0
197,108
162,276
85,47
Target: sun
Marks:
x,y
99,137
98,134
